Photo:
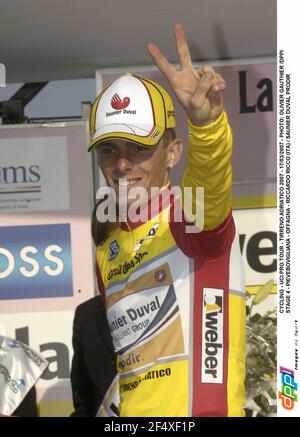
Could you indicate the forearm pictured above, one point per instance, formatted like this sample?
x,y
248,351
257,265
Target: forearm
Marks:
x,y
209,166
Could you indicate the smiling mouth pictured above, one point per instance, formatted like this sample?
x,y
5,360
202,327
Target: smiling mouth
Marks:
x,y
126,182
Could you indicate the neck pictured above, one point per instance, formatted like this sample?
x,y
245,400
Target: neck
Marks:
x,y
141,212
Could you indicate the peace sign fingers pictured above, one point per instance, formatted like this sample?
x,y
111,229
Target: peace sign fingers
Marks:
x,y
182,47
198,91
161,61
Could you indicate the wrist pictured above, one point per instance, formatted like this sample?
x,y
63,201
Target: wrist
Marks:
x,y
208,124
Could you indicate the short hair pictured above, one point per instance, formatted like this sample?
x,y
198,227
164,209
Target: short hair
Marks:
x,y
101,230
168,136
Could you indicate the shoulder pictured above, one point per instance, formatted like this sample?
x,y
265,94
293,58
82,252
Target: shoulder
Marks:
x,y
90,306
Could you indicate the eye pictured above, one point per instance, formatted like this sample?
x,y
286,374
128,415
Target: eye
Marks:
x,y
139,149
106,150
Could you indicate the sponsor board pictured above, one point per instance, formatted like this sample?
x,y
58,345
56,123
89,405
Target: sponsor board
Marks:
x,y
258,242
35,261
49,334
34,174
53,341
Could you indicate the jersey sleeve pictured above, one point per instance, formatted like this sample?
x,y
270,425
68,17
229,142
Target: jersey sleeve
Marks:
x,y
209,166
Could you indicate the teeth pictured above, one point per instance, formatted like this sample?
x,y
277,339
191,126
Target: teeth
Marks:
x,y
126,182
123,182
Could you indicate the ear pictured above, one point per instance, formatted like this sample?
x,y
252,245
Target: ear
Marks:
x,y
174,152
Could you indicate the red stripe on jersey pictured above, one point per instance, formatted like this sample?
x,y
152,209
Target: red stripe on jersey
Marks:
x,y
206,244
210,399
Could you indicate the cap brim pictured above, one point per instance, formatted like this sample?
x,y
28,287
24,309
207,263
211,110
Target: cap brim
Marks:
x,y
142,134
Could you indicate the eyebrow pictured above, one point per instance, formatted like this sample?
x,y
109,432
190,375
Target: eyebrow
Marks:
x,y
128,144
105,144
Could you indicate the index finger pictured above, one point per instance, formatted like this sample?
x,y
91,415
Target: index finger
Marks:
x,y
161,61
182,47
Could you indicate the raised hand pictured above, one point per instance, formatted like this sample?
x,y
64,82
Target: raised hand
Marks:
x,y
198,90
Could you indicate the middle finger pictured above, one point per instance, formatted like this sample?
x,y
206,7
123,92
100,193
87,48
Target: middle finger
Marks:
x,y
182,47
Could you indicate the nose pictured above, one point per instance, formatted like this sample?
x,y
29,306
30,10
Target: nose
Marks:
x,y
124,163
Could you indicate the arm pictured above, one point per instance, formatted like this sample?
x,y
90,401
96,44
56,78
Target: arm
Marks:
x,y
209,166
199,91
80,381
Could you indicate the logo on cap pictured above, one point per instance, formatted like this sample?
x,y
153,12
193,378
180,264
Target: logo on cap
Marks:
x,y
117,103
